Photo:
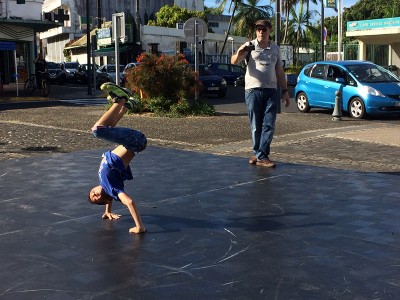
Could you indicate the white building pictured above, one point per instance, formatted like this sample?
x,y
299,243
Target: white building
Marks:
x,y
69,42
19,24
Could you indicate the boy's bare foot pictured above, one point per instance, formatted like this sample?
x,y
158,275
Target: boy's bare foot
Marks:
x,y
137,230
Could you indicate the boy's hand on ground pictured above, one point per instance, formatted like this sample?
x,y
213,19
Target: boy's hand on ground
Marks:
x,y
137,230
111,216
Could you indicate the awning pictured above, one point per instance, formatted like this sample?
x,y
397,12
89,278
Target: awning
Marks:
x,y
36,25
7,46
110,51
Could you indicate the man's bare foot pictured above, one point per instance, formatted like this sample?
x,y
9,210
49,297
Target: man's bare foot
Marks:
x,y
137,230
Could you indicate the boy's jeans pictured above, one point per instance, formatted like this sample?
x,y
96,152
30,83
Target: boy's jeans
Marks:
x,y
131,139
262,107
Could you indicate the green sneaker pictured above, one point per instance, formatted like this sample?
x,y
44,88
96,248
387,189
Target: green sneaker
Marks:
x,y
115,90
116,93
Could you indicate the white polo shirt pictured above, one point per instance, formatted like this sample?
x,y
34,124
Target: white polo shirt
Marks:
x,y
261,72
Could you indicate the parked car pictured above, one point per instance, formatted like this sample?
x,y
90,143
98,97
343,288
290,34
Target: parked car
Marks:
x,y
70,69
56,73
229,71
111,69
127,67
211,84
367,89
101,77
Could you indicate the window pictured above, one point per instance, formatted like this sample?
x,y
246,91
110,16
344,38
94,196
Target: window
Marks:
x,y
213,24
318,71
333,73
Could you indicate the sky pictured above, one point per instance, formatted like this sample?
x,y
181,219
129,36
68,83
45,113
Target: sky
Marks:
x,y
328,12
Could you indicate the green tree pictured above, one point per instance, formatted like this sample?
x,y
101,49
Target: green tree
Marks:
x,y
247,15
168,16
368,10
222,6
299,26
287,7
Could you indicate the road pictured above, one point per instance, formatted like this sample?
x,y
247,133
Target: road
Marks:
x,y
233,103
37,127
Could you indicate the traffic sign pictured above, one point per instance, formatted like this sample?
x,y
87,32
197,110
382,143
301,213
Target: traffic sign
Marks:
x,y
195,28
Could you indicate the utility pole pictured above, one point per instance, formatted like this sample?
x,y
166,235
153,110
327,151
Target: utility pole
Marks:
x,y
340,30
322,31
89,68
99,14
278,42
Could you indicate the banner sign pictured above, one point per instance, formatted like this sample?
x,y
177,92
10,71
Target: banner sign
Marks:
x,y
330,4
7,46
373,24
103,36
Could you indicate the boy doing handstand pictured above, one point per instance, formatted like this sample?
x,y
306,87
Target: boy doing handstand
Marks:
x,y
114,167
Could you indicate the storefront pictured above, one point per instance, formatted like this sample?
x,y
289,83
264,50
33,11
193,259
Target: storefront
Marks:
x,y
377,32
18,47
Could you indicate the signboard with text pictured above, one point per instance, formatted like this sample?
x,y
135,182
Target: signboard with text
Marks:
x,y
103,36
373,24
330,4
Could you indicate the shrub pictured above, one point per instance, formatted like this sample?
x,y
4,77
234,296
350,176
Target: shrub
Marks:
x,y
163,76
191,108
293,69
166,85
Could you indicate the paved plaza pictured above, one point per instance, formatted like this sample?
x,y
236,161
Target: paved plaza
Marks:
x,y
324,224
217,228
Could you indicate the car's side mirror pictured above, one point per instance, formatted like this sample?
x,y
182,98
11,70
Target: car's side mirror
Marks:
x,y
340,80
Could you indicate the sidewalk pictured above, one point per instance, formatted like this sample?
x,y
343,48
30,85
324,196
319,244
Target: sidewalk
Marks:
x,y
11,93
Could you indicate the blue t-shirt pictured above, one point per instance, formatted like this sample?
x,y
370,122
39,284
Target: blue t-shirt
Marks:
x,y
112,174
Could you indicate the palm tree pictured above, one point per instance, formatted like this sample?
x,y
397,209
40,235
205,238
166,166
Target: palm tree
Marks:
x,y
298,24
222,6
308,7
247,16
287,6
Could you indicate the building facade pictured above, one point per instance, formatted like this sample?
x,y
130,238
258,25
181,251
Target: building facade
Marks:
x,y
20,21
69,42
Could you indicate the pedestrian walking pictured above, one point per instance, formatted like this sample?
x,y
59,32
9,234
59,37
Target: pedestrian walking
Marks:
x,y
264,74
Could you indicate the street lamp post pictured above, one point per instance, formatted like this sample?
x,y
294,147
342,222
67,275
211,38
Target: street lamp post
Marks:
x,y
340,19
231,39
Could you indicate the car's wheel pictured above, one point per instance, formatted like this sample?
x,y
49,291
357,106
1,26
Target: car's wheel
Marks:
x,y
302,102
357,108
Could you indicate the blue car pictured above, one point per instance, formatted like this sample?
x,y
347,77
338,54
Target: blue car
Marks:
x,y
367,89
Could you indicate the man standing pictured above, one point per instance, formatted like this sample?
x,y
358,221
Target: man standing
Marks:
x,y
263,75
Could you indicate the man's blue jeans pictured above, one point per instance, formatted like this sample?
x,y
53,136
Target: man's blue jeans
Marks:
x,y
262,107
131,139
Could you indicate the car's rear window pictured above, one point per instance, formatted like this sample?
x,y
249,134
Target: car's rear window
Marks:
x,y
307,71
318,71
51,65
70,65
